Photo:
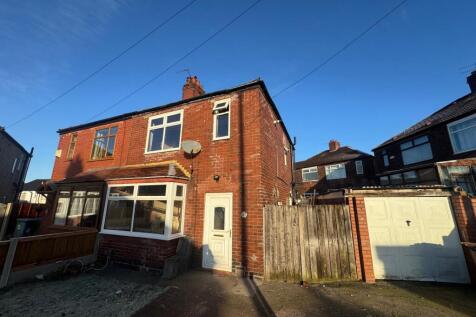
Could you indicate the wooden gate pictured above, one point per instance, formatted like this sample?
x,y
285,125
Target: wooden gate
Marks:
x,y
308,243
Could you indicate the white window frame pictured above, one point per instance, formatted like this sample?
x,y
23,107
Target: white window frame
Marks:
x,y
170,197
308,170
335,166
14,165
449,125
215,115
164,125
359,167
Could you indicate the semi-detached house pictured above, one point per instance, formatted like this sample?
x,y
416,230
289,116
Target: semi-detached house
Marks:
x,y
129,177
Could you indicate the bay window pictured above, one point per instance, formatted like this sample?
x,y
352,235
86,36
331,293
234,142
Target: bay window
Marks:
x,y
164,132
336,171
416,150
145,210
463,134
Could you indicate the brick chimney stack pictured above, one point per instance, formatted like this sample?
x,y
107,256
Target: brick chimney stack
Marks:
x,y
334,145
192,88
472,81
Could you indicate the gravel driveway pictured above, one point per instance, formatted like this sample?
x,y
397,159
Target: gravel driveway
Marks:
x,y
114,292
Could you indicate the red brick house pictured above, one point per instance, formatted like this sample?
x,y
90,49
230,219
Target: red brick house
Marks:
x,y
129,176
333,169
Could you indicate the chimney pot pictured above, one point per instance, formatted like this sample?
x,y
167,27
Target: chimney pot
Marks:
x,y
192,88
471,80
334,145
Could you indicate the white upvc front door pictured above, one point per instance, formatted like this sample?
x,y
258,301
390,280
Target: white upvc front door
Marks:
x,y
217,235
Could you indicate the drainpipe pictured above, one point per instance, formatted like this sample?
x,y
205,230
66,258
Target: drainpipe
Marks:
x,y
21,179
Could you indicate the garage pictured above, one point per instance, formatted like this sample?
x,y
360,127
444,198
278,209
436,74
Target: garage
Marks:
x,y
415,238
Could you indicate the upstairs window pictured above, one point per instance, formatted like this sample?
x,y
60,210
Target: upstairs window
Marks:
x,y
386,162
359,167
336,171
416,150
463,134
103,145
221,120
164,132
309,174
72,147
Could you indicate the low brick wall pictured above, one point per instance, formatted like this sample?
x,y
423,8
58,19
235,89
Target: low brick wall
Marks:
x,y
136,251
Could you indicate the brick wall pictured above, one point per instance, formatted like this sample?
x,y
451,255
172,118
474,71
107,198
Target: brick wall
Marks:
x,y
136,251
464,209
360,233
250,165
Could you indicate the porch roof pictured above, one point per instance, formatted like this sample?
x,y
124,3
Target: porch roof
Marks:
x,y
127,172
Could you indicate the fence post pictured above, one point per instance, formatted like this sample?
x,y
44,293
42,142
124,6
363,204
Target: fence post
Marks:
x,y
7,265
6,219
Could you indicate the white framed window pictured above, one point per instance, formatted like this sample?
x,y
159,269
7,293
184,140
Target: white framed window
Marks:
x,y
335,171
359,167
221,119
309,174
463,134
416,150
150,210
164,132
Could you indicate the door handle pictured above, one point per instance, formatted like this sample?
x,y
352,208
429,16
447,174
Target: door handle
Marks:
x,y
408,222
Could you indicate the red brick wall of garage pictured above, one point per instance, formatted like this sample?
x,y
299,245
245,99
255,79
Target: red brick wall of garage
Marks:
x,y
240,162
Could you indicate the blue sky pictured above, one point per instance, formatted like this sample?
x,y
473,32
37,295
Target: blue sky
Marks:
x,y
406,68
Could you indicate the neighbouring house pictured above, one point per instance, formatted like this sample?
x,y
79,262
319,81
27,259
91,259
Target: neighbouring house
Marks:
x,y
14,162
139,179
29,193
338,167
440,149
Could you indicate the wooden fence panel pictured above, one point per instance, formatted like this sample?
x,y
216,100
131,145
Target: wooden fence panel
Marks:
x,y
310,243
37,250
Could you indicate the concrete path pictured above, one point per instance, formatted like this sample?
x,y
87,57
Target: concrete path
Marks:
x,y
201,293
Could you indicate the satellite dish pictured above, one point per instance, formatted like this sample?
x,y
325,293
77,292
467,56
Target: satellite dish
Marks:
x,y
191,147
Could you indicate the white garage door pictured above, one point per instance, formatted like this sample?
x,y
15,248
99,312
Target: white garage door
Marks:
x,y
415,238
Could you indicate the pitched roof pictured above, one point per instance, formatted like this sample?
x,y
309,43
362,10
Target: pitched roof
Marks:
x,y
125,173
8,136
34,184
459,107
342,154
256,82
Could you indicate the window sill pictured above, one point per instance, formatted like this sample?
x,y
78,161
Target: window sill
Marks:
x,y
463,151
161,151
101,159
222,138
153,236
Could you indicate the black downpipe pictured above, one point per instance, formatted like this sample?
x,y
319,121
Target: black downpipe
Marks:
x,y
21,181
